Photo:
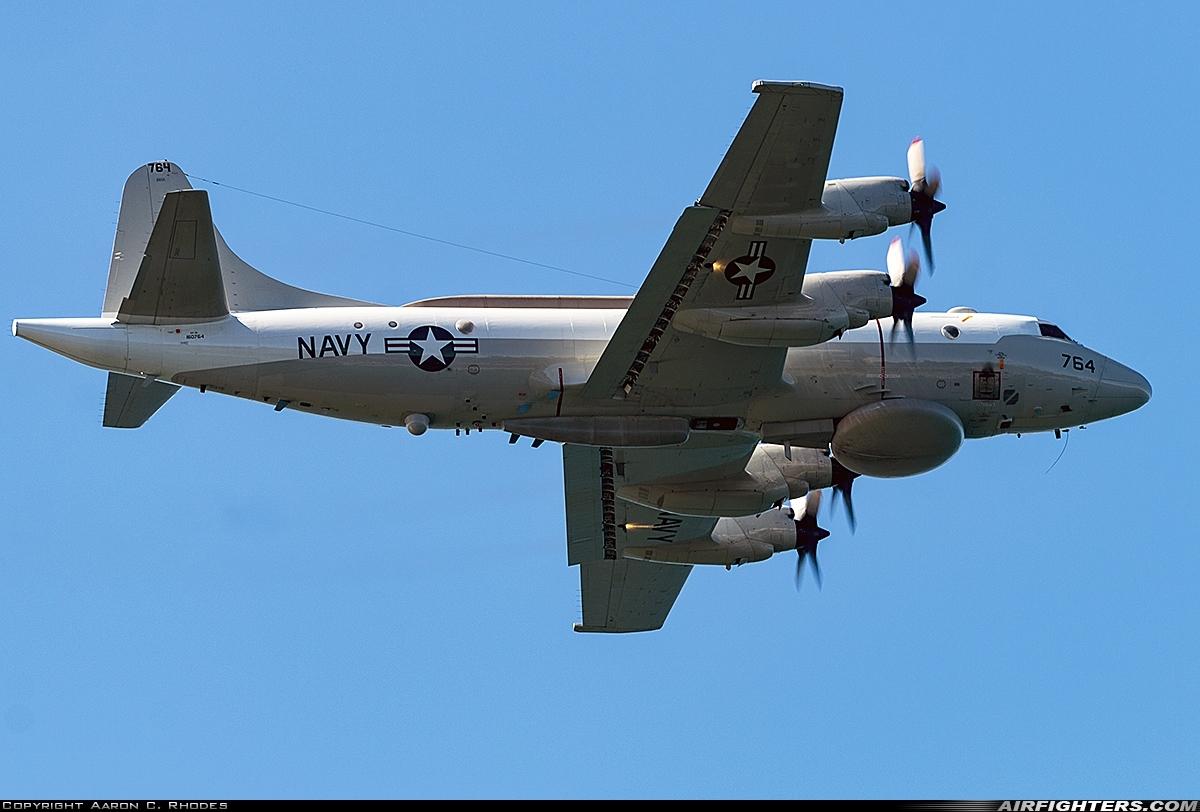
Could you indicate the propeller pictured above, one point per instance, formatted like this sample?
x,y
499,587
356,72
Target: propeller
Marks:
x,y
843,482
808,536
923,187
903,271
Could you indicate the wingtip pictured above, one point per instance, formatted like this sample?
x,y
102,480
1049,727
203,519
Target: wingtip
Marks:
x,y
769,86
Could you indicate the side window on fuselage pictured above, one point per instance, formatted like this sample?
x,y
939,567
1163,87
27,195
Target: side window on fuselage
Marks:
x,y
1049,330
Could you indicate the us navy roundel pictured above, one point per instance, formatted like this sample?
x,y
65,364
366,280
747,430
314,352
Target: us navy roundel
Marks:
x,y
434,348
750,270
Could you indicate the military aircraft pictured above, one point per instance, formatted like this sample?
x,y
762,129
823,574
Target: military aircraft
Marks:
x,y
689,415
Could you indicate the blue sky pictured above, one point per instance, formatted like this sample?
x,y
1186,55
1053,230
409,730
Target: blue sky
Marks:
x,y
233,602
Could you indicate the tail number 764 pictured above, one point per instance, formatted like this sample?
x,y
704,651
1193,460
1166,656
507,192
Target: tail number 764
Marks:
x,y
1077,363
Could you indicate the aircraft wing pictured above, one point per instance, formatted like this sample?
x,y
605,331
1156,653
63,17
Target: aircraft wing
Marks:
x,y
777,163
632,595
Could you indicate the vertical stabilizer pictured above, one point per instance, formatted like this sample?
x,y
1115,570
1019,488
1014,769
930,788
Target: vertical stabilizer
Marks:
x,y
245,287
179,280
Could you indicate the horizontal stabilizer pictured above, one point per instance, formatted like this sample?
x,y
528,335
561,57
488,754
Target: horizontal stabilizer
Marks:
x,y
131,400
179,280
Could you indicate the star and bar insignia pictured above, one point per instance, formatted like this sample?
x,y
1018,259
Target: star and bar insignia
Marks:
x,y
431,348
751,270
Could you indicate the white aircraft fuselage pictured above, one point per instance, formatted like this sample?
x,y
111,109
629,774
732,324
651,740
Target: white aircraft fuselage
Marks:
x,y
494,364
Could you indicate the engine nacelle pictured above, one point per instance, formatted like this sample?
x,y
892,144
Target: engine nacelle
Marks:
x,y
850,208
833,302
900,437
808,469
802,324
862,295
733,541
769,478
878,197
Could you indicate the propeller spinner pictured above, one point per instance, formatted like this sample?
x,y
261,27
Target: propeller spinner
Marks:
x,y
923,188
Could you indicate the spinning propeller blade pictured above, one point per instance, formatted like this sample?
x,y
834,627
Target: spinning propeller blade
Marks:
x,y
903,271
843,482
808,536
923,188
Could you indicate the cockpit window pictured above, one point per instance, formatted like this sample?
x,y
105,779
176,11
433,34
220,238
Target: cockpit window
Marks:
x,y
1052,331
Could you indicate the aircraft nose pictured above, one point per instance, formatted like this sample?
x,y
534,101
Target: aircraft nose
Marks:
x,y
1122,389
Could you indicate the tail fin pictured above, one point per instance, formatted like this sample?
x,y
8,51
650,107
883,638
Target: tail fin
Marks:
x,y
179,280
245,287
